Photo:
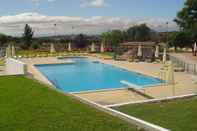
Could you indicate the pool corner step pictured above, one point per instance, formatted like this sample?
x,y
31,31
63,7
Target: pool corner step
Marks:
x,y
136,89
140,92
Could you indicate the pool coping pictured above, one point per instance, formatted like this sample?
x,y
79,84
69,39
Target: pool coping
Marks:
x,y
137,90
46,79
99,90
67,63
117,66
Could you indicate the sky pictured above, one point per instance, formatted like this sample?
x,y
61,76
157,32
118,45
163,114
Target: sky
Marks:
x,y
86,16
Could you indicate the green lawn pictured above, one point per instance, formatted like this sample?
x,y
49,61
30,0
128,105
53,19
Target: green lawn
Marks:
x,y
178,115
34,53
26,105
109,54
2,62
31,52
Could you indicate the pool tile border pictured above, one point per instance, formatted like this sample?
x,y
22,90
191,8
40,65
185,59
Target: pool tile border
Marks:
x,y
99,60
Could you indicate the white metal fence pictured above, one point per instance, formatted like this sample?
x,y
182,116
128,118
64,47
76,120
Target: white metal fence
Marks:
x,y
187,66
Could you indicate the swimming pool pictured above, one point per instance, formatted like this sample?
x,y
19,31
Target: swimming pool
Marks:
x,y
87,75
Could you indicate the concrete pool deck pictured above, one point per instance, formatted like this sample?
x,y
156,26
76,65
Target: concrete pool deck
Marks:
x,y
112,96
185,83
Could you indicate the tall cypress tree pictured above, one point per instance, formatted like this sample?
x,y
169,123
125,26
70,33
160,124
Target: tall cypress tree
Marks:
x,y
27,36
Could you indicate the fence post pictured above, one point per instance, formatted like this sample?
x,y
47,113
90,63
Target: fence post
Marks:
x,y
184,66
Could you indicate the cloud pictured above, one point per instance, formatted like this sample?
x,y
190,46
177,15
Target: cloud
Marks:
x,y
51,0
94,3
44,25
84,3
37,2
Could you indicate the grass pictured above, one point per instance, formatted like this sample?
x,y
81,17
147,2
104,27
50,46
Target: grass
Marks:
x,y
178,115
26,105
109,54
2,62
38,53
31,52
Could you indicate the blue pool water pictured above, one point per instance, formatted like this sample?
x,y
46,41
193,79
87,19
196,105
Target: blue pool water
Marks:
x,y
85,75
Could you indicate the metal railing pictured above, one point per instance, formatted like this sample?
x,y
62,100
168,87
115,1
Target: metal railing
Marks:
x,y
187,66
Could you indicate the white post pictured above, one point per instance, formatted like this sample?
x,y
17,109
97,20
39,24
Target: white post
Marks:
x,y
8,51
170,76
139,54
195,49
93,47
164,55
52,49
69,47
13,51
157,52
102,48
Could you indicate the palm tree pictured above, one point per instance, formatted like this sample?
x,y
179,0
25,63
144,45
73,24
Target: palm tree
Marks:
x,y
106,36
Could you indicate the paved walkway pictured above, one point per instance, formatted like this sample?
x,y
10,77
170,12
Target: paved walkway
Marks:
x,y
112,96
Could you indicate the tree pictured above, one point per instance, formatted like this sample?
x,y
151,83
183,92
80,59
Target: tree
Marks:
x,y
180,39
187,18
139,33
113,38
3,39
131,32
106,37
81,41
116,38
27,37
143,33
